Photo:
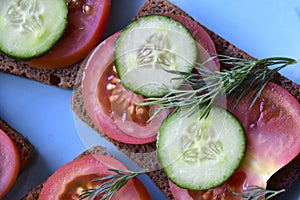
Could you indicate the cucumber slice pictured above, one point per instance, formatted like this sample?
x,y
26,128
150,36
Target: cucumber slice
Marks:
x,y
148,45
30,28
200,153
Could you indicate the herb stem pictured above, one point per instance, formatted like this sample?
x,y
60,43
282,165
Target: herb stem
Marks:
x,y
256,193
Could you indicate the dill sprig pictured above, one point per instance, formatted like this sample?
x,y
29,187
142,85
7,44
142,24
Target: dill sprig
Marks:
x,y
201,89
111,184
256,193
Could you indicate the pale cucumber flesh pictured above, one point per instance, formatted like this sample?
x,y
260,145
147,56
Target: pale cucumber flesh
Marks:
x,y
200,154
30,28
147,48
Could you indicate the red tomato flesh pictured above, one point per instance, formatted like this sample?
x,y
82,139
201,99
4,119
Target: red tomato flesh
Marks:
x,y
272,127
86,22
9,163
71,179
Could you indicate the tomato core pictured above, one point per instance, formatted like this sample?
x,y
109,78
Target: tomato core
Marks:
x,y
117,102
76,186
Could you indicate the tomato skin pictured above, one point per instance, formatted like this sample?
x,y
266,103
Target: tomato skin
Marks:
x,y
207,47
68,181
272,127
10,163
86,24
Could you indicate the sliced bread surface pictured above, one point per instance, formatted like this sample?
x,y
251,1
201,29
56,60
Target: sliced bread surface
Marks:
x,y
62,77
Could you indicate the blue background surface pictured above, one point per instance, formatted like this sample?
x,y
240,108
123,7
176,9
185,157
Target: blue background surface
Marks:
x,y
43,113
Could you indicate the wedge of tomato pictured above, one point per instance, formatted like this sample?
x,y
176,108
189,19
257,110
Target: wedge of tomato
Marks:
x,y
70,180
111,107
9,163
86,22
272,126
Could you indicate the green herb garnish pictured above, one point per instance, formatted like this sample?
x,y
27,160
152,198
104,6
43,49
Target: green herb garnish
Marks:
x,y
256,193
202,89
111,185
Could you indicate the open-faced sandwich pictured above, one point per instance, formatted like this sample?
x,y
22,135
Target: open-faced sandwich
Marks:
x,y
16,152
50,38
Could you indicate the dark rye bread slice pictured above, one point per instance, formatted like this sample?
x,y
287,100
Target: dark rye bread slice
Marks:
x,y
26,149
62,77
97,150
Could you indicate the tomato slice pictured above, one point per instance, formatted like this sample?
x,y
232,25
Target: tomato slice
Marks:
x,y
272,126
112,108
71,179
86,22
9,165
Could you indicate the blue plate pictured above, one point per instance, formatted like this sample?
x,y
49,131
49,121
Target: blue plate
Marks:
x,y
43,113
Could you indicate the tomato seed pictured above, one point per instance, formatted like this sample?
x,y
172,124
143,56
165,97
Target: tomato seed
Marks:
x,y
110,86
114,69
131,110
115,80
86,9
